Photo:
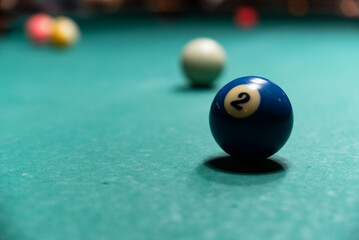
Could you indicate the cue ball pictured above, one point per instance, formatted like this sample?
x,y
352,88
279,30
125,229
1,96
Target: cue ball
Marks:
x,y
251,118
39,28
202,61
65,32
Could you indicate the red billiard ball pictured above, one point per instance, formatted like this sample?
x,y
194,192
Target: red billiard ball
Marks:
x,y
39,28
246,17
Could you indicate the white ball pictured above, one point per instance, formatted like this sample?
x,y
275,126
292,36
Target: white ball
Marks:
x,y
203,60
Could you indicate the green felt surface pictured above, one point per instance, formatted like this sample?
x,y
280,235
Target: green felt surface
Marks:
x,y
103,141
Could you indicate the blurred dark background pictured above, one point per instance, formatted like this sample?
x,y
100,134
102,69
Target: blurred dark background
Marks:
x,y
349,9
268,8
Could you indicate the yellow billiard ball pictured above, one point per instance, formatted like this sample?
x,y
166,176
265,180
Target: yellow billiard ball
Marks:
x,y
65,32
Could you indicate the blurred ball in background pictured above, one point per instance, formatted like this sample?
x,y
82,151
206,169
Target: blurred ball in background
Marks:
x,y
38,28
246,17
203,60
65,32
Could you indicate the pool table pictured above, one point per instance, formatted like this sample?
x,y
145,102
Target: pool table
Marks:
x,y
105,140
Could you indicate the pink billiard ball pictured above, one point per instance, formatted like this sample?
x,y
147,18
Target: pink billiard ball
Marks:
x,y
39,28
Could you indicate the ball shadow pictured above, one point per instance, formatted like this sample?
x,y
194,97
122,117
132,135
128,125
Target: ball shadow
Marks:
x,y
233,171
246,166
194,88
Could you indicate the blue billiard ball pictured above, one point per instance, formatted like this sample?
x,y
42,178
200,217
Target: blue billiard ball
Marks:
x,y
251,118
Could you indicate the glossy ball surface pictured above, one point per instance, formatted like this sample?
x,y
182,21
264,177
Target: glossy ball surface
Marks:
x,y
65,32
38,28
251,118
203,60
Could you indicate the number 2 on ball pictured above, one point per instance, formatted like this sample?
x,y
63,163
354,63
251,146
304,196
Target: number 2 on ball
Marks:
x,y
243,98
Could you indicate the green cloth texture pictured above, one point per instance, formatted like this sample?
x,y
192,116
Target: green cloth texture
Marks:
x,y
106,141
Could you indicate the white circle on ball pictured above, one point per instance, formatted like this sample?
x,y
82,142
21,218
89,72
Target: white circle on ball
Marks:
x,y
242,100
